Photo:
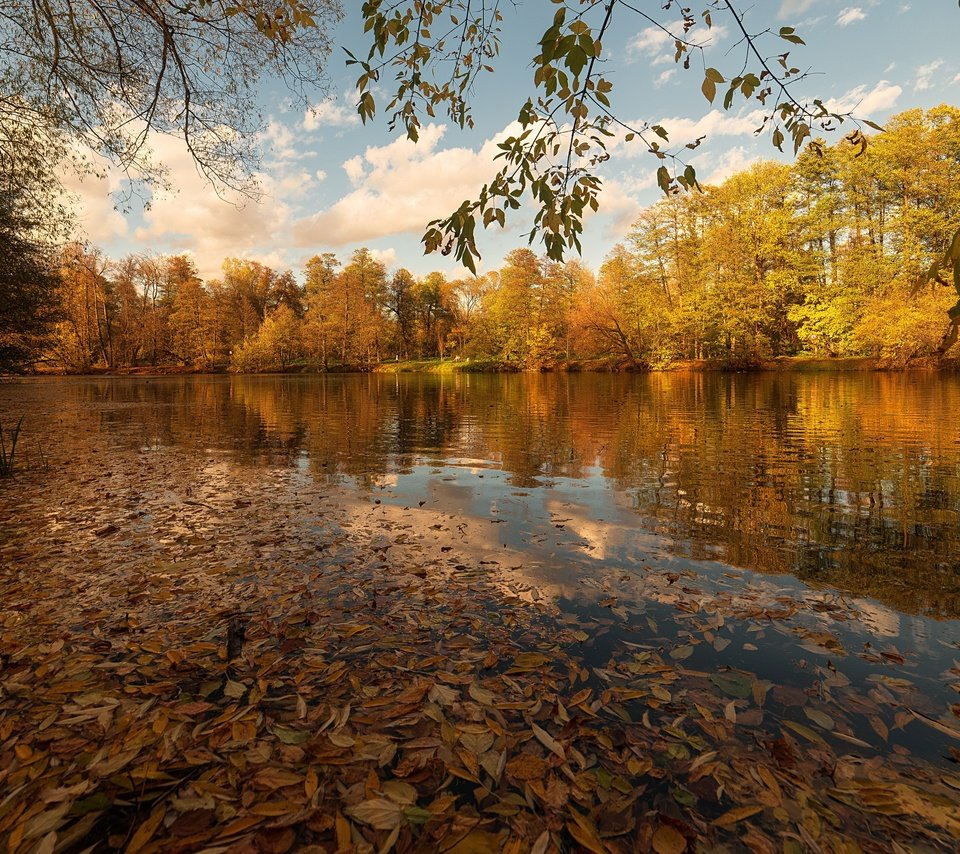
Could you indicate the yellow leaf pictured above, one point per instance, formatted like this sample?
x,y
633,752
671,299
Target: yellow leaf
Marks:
x,y
736,814
542,843
805,731
529,661
771,782
819,718
146,830
939,726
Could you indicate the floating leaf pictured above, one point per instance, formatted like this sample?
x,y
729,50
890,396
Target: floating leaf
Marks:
x,y
668,840
820,718
290,736
733,684
728,819
379,813
805,731
548,741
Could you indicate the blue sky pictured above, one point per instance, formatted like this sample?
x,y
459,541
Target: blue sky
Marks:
x,y
331,184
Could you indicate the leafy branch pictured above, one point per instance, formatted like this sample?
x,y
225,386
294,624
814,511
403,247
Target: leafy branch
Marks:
x,y
569,125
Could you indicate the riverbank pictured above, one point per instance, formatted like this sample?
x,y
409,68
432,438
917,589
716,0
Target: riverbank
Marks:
x,y
204,653
807,364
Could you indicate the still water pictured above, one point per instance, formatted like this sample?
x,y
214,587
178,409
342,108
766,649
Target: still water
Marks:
x,y
580,488
848,480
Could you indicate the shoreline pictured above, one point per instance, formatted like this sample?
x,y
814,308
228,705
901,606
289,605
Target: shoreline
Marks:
x,y
779,364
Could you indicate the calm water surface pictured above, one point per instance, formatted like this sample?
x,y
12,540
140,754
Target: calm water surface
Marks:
x,y
846,482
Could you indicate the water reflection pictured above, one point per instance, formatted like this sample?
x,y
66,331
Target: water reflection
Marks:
x,y
843,479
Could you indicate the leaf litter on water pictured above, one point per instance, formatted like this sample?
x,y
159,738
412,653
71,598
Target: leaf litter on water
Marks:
x,y
415,698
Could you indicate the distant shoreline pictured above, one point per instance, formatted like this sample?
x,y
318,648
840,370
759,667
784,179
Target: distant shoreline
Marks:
x,y
781,364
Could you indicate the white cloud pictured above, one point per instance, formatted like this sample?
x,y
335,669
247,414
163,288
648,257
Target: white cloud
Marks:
x,y
731,161
387,257
279,142
657,45
684,130
618,207
882,97
399,188
320,175
925,75
295,183
791,8
93,203
850,15
329,113
651,40
665,77
354,169
195,219
956,79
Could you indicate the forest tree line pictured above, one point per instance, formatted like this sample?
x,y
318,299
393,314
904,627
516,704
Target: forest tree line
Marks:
x,y
826,257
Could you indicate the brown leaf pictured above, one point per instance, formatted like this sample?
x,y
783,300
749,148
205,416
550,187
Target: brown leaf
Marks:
x,y
379,813
192,821
669,840
526,766
585,833
548,741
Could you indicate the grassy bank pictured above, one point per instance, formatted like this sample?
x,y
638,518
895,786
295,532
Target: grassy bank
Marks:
x,y
447,366
601,364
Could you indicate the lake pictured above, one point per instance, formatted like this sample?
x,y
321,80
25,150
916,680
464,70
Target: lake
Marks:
x,y
850,480
820,512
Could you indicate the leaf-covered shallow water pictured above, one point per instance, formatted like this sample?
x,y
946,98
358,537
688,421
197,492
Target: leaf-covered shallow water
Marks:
x,y
500,613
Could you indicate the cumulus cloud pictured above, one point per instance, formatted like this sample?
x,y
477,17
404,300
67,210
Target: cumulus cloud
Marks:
x,y
387,257
618,207
195,219
791,8
330,113
682,130
651,40
925,74
850,15
399,187
656,44
279,142
881,97
665,77
93,204
728,163
354,169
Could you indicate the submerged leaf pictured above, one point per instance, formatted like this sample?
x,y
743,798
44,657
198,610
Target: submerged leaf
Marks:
x,y
379,813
